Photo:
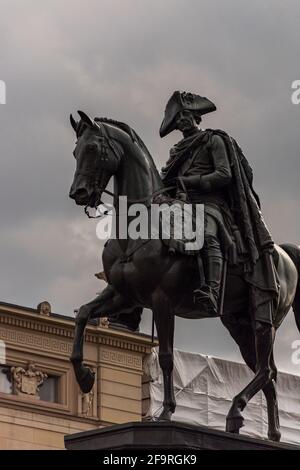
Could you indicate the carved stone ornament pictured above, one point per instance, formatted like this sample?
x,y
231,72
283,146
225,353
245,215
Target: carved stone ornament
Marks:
x,y
44,308
87,403
104,322
27,381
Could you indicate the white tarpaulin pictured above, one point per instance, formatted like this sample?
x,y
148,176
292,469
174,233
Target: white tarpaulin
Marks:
x,y
205,387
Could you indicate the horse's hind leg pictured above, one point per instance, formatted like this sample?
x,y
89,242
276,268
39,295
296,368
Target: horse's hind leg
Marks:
x,y
164,321
269,390
264,338
244,336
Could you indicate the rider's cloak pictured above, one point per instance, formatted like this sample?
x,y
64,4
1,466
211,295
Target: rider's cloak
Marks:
x,y
257,245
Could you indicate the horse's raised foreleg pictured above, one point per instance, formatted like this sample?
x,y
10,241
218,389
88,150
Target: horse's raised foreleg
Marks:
x,y
108,302
164,321
264,374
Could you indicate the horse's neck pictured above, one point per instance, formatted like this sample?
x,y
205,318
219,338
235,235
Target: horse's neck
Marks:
x,y
137,177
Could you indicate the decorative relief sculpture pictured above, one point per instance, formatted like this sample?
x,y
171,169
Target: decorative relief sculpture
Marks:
x,y
27,381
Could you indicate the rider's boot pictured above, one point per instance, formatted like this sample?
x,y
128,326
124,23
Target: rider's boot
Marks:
x,y
207,295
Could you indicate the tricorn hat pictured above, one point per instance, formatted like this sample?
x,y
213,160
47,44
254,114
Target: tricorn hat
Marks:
x,y
180,102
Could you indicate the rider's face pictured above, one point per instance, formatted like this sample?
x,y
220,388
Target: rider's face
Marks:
x,y
185,121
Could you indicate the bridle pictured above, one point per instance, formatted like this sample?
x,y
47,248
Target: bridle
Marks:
x,y
100,179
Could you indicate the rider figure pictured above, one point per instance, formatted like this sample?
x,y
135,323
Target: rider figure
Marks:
x,y
211,169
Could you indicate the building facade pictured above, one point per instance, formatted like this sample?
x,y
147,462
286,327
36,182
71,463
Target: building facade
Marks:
x,y
40,401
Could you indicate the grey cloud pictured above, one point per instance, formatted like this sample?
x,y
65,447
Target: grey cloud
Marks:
x,y
123,58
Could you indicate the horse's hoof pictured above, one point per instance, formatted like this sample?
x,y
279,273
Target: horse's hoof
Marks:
x,y
233,424
166,415
153,419
87,382
274,436
85,378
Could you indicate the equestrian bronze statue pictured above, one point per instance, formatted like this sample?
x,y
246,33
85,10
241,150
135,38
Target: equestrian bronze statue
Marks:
x,y
239,275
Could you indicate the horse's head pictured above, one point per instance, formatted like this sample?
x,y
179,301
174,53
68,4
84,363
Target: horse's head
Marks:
x,y
97,159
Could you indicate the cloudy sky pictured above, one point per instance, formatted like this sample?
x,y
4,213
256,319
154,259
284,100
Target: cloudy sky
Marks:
x,y
123,59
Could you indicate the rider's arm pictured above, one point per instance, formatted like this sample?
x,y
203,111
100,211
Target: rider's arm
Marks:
x,y
221,176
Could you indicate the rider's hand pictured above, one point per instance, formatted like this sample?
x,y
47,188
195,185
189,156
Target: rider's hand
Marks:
x,y
181,196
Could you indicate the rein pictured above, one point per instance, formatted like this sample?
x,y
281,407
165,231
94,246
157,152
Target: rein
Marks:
x,y
144,199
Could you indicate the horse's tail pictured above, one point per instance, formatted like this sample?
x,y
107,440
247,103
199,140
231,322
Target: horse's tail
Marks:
x,y
294,253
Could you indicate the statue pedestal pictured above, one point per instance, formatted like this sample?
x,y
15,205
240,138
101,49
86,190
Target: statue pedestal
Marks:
x,y
172,436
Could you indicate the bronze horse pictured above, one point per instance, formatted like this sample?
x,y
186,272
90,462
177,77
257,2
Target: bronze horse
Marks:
x,y
147,275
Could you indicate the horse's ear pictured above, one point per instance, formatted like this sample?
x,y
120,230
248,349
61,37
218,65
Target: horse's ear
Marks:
x,y
74,124
89,121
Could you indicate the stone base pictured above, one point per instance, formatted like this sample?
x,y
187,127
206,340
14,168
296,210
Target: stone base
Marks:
x,y
166,435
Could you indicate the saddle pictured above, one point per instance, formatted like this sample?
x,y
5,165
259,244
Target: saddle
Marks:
x,y
181,225
184,231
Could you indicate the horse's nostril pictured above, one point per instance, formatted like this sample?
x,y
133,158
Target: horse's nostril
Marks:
x,y
79,194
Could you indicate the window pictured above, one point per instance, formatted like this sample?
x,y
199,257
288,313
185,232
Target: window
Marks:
x,y
5,379
49,389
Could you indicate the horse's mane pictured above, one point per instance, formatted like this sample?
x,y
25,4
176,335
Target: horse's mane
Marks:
x,y
121,125
127,129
